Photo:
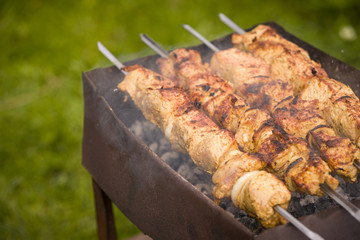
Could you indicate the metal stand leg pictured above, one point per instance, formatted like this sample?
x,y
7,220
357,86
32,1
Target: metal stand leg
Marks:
x,y
104,214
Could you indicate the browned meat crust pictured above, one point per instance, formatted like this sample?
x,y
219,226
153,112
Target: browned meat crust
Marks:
x,y
287,60
251,77
301,118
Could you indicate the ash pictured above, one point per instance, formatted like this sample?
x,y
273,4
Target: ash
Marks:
x,y
300,205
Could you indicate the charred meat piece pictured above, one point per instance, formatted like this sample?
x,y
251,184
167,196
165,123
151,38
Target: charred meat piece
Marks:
x,y
338,104
301,118
344,115
309,171
251,77
210,147
288,61
262,205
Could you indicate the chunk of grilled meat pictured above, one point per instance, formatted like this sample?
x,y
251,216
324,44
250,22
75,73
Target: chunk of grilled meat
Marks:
x,y
293,64
288,61
255,131
261,206
339,106
344,115
301,118
251,77
297,117
210,147
303,172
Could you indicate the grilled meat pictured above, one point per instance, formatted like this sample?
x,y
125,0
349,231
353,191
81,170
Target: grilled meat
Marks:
x,y
255,130
338,104
296,116
211,148
293,64
288,61
301,118
261,206
251,77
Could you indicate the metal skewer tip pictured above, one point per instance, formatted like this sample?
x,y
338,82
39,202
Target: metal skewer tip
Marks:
x,y
154,46
111,57
347,205
305,230
231,24
200,37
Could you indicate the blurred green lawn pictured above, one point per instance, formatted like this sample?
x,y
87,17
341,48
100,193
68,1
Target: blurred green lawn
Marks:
x,y
45,45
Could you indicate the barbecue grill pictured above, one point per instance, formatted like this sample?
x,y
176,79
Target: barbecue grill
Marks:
x,y
133,166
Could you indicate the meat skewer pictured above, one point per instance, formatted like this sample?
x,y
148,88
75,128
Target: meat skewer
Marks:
x,y
283,154
338,103
352,209
163,53
211,148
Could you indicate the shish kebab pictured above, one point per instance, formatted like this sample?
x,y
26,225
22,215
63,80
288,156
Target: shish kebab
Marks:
x,y
196,85
338,103
164,104
352,209
287,157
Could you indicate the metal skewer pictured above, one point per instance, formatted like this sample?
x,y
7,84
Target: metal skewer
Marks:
x,y
347,205
305,230
154,46
200,37
111,57
231,24
356,164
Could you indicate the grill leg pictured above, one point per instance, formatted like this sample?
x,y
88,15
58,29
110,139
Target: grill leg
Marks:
x,y
104,214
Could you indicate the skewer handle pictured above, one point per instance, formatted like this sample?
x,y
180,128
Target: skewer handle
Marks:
x,y
305,230
200,37
111,57
231,24
347,205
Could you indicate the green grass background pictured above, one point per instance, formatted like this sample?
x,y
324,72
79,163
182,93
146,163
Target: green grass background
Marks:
x,y
45,193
